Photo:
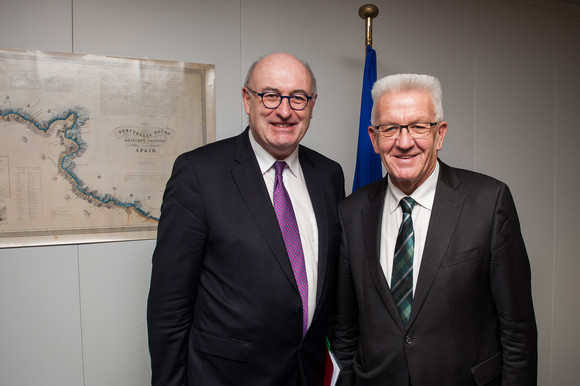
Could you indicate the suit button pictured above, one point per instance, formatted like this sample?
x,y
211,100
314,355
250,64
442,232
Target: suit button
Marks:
x,y
409,340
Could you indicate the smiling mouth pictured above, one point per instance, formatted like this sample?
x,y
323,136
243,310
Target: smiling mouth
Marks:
x,y
282,125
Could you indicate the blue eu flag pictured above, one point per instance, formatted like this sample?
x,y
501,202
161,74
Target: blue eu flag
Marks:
x,y
368,163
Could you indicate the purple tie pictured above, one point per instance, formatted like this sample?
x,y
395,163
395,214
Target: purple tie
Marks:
x,y
291,235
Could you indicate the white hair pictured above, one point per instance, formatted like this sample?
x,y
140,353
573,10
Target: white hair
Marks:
x,y
409,82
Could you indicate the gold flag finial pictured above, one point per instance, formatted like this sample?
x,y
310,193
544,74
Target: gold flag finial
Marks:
x,y
368,12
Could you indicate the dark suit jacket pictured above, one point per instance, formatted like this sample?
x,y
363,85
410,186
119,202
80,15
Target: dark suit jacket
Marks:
x,y
472,319
224,307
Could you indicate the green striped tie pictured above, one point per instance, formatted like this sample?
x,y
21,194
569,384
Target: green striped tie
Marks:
x,y
402,279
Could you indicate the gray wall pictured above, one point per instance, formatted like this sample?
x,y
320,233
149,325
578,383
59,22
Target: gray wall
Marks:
x,y
75,314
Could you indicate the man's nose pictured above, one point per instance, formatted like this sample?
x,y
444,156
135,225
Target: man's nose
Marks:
x,y
405,140
284,110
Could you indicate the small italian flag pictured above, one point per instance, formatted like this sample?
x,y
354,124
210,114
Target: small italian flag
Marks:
x,y
331,366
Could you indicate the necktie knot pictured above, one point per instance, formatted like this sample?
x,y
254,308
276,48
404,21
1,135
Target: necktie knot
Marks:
x,y
407,204
279,167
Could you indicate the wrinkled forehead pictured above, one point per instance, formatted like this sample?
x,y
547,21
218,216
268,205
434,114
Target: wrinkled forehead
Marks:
x,y
281,74
396,105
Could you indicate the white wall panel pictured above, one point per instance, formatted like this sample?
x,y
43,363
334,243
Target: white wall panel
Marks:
x,y
36,25
114,284
40,317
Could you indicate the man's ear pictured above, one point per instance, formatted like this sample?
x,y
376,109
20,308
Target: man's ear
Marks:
x,y
373,136
441,132
246,99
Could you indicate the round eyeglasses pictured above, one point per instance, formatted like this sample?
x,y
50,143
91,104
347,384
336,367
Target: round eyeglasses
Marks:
x,y
271,100
416,130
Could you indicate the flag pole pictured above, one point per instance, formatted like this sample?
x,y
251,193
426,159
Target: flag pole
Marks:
x,y
368,12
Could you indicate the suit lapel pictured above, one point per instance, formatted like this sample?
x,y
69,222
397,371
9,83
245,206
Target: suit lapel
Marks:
x,y
446,210
371,215
249,180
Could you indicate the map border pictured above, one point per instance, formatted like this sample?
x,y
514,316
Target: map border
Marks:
x,y
11,239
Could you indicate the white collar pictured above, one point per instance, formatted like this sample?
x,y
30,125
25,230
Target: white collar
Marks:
x,y
424,195
266,160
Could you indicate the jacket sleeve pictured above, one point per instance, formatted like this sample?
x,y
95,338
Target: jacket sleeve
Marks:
x,y
511,290
175,274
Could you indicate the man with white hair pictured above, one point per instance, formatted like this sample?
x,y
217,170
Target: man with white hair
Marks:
x,y
433,276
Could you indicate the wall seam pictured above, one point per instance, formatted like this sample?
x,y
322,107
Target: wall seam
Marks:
x,y
72,29
555,190
81,314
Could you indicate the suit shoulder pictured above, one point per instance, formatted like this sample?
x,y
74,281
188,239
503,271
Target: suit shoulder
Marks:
x,y
364,194
317,158
321,167
212,157
477,179
475,184
213,149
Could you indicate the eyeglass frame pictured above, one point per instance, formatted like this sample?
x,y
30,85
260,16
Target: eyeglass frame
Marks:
x,y
261,95
401,127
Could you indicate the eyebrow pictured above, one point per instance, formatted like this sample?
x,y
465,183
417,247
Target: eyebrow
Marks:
x,y
405,124
297,91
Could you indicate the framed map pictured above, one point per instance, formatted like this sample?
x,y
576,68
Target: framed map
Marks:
x,y
87,143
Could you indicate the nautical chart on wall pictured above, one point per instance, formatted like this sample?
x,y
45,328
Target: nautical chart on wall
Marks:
x,y
87,143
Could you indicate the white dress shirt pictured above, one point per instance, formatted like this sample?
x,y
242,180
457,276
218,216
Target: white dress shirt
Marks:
x,y
424,195
296,186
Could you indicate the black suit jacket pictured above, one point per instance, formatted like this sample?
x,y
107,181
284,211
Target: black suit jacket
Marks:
x,y
472,319
224,307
